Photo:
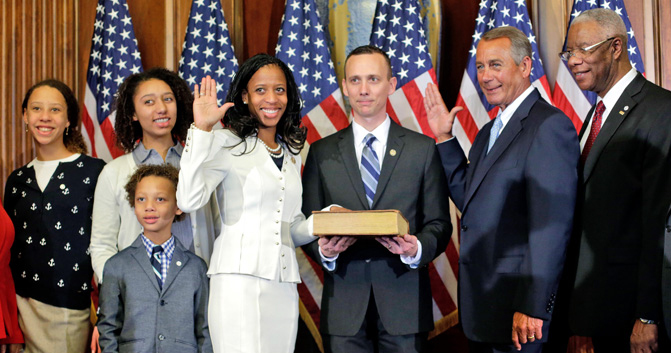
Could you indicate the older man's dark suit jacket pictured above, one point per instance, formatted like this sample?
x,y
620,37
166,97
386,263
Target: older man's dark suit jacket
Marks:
x,y
624,194
517,204
412,181
666,276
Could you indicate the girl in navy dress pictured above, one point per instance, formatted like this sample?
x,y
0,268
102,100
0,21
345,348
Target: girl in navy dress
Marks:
x,y
50,201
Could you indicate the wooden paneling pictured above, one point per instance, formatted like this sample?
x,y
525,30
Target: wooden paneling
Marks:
x,y
262,21
149,24
663,45
636,17
38,41
457,31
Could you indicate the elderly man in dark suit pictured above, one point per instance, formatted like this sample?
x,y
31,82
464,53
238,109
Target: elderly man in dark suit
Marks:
x,y
625,191
377,294
666,277
516,192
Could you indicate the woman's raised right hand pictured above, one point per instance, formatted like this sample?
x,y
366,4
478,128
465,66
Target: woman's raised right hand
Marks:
x,y
206,113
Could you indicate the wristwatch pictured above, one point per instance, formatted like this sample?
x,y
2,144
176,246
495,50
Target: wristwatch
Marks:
x,y
648,322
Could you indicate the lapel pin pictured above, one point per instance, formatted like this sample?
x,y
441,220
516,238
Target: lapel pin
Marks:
x,y
392,152
621,112
178,263
626,107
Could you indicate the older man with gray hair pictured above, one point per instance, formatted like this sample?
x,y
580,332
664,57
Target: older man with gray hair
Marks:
x,y
516,196
624,192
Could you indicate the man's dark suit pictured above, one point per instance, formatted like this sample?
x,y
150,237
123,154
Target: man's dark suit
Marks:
x,y
666,276
624,194
517,204
412,181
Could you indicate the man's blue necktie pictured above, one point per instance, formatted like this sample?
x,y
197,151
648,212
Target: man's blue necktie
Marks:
x,y
370,168
495,132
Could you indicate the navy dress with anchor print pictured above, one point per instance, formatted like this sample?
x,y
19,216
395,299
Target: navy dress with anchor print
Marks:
x,y
50,257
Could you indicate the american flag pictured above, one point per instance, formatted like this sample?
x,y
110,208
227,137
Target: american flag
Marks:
x,y
207,48
567,95
477,111
303,47
398,30
114,56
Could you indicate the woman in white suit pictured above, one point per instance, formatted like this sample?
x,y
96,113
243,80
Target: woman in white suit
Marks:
x,y
253,166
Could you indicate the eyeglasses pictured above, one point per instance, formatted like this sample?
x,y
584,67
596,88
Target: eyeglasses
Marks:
x,y
582,52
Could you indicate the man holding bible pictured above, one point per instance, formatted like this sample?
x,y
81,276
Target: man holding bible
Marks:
x,y
517,197
377,294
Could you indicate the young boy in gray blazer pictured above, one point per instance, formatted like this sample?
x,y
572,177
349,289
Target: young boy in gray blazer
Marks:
x,y
155,292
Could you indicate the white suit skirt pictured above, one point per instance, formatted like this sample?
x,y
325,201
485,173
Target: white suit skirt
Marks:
x,y
249,314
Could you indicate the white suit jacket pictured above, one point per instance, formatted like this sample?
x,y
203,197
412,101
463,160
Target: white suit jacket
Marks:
x,y
260,204
115,225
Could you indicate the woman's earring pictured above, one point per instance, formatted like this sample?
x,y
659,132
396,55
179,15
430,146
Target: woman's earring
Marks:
x,y
26,127
244,102
67,128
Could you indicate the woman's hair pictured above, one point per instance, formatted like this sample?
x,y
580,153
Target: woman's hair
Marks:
x,y
128,131
146,170
238,118
72,139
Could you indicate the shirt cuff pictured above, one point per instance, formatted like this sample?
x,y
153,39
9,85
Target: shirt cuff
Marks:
x,y
328,262
413,262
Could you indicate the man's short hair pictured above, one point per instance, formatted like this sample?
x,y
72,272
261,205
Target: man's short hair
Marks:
x,y
519,43
166,171
609,21
368,49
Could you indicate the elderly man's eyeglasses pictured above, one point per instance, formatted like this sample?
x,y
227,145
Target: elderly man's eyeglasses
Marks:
x,y
582,52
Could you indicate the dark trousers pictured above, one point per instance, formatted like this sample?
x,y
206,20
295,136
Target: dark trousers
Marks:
x,y
372,337
480,347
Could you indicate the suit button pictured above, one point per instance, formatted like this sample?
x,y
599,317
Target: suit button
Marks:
x,y
464,228
161,337
162,302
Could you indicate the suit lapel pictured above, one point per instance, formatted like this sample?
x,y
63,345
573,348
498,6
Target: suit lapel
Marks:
x,y
394,142
348,156
179,260
140,255
615,118
511,130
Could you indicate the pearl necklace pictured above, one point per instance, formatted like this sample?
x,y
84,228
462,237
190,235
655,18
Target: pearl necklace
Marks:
x,y
273,151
